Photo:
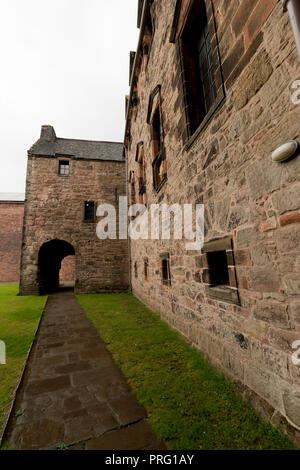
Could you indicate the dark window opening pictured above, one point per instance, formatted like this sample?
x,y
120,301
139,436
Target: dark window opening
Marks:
x,y
141,170
64,168
148,35
89,211
166,278
156,133
132,193
218,268
135,270
200,89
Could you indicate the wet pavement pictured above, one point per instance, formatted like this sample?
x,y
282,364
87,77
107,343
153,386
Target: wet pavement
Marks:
x,y
73,394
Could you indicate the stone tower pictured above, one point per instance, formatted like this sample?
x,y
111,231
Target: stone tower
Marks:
x,y
66,180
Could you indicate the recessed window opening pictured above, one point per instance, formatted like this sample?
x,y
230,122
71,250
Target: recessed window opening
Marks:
x,y
198,65
166,278
218,267
146,265
158,164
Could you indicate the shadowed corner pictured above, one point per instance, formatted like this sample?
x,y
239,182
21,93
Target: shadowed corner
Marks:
x,y
2,353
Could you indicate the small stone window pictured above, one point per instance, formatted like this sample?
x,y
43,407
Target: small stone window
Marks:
x,y
165,269
89,211
135,270
140,158
198,65
148,35
195,35
132,188
158,162
218,271
146,266
155,120
64,168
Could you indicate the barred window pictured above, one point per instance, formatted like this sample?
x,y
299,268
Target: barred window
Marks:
x,y
200,89
89,211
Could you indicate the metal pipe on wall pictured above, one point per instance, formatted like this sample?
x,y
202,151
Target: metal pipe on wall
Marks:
x,y
293,7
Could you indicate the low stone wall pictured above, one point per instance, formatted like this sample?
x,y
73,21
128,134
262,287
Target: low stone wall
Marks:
x,y
11,224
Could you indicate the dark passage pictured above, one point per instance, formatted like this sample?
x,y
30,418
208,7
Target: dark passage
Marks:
x,y
50,258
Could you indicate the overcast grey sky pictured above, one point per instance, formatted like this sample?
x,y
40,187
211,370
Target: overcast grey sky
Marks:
x,y
64,63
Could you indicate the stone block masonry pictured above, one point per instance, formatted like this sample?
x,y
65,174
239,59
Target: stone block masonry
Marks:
x,y
11,223
226,165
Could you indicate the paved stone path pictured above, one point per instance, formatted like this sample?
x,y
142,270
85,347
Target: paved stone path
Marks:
x,y
73,393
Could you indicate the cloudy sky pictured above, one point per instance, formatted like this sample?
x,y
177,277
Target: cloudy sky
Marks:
x,y
64,63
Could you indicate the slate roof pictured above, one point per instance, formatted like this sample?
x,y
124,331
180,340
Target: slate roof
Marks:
x,y
86,149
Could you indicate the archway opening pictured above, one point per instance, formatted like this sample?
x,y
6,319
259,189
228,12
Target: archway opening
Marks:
x,y
51,256
67,272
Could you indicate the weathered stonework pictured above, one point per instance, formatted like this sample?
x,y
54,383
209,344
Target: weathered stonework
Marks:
x,y
54,211
227,166
67,271
11,222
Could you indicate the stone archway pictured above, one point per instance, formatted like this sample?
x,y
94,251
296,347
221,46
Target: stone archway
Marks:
x,y
51,255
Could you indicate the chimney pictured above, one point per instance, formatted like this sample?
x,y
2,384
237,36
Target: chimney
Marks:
x,y
48,134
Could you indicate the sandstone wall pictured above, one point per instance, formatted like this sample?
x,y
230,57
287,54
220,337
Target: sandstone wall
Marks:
x,y
67,272
246,196
11,224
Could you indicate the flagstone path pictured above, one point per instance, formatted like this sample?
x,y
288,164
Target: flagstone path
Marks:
x,y
73,394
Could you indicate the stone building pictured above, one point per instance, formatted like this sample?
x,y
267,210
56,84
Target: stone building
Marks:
x,y
66,180
214,91
11,223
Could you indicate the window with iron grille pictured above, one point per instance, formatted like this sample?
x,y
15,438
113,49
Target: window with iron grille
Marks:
x,y
219,271
89,211
196,52
64,168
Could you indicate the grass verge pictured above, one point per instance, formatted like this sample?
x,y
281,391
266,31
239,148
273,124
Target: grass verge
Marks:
x,y
19,317
190,405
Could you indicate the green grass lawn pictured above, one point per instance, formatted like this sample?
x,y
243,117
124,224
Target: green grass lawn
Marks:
x,y
19,317
190,405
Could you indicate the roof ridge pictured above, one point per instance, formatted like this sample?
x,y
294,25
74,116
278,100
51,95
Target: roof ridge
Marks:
x,y
87,140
